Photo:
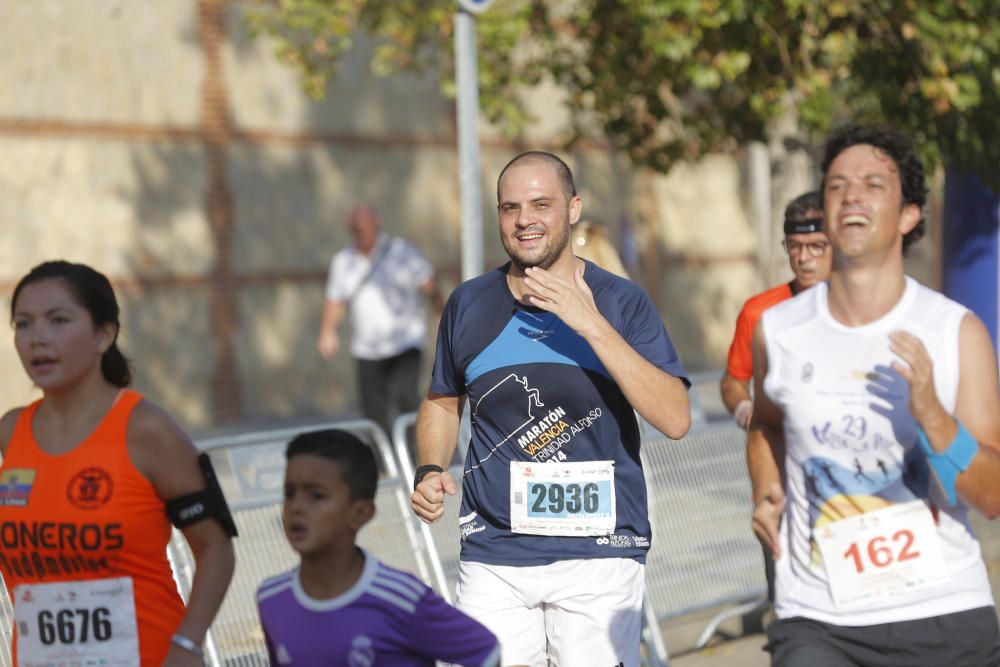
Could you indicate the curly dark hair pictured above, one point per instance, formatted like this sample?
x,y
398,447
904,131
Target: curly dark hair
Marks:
x,y
900,148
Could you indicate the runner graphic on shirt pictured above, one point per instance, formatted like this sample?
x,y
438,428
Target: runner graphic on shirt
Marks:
x,y
508,392
852,445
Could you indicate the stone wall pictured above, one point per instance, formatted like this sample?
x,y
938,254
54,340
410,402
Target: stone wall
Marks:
x,y
161,144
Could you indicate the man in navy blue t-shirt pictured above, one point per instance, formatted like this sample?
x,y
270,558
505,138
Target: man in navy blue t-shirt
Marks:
x,y
554,356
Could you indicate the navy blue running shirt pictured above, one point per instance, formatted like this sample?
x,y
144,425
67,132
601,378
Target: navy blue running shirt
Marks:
x,y
537,392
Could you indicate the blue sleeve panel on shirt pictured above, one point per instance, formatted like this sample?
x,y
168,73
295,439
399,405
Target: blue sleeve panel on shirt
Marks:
x,y
534,338
538,392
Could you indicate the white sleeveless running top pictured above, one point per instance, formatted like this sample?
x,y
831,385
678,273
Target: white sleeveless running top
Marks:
x,y
851,448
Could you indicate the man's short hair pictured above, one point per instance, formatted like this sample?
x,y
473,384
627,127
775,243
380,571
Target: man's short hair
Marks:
x,y
804,214
562,170
897,146
355,459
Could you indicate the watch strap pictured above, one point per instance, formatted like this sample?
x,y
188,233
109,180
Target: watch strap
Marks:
x,y
422,471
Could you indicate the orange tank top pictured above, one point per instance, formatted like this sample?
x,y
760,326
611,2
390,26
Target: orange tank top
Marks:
x,y
83,535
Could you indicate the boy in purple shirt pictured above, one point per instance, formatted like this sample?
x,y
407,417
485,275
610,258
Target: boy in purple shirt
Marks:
x,y
341,606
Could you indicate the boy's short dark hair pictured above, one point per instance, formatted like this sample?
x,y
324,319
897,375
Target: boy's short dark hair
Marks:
x,y
355,458
897,146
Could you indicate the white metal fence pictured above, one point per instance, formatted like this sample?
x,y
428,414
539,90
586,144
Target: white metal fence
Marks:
x,y
251,470
6,629
703,554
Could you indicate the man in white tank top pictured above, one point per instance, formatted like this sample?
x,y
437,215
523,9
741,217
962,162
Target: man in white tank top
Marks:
x,y
876,427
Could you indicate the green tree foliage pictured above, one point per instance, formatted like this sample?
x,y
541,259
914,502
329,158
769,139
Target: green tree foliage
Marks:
x,y
672,79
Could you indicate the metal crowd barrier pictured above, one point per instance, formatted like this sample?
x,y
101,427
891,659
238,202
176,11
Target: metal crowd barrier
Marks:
x,y
6,628
703,555
443,538
251,469
442,535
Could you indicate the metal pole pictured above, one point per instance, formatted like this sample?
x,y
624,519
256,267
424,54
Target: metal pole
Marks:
x,y
467,86
759,168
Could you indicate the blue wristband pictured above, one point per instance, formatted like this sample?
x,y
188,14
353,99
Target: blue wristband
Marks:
x,y
950,462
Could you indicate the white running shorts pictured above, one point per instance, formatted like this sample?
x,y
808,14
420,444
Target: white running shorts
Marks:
x,y
565,614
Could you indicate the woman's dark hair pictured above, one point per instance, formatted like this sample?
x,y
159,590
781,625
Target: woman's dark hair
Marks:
x,y
896,145
93,291
356,459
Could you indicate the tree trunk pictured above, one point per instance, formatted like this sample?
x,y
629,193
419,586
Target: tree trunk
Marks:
x,y
793,172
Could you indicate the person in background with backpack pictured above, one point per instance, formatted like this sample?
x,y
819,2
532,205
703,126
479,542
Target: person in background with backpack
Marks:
x,y
379,280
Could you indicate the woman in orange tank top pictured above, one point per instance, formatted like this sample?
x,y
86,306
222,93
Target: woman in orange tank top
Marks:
x,y
85,476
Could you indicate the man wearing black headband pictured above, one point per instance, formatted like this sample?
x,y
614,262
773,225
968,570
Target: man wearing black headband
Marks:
x,y
807,248
875,434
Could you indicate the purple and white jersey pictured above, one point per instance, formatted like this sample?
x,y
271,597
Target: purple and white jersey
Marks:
x,y
388,618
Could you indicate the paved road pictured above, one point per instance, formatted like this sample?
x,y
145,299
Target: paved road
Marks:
x,y
735,647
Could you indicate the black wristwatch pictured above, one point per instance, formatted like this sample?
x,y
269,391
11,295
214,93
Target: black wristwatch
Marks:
x,y
422,472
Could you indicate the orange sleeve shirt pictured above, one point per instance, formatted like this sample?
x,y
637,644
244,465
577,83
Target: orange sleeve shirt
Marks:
x,y
76,520
740,363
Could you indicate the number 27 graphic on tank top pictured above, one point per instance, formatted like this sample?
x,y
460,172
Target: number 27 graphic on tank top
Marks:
x,y
880,554
64,626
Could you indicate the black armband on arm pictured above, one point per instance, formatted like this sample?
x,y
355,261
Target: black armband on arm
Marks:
x,y
204,504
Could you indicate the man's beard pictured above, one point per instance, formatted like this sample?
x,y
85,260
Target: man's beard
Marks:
x,y
553,249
